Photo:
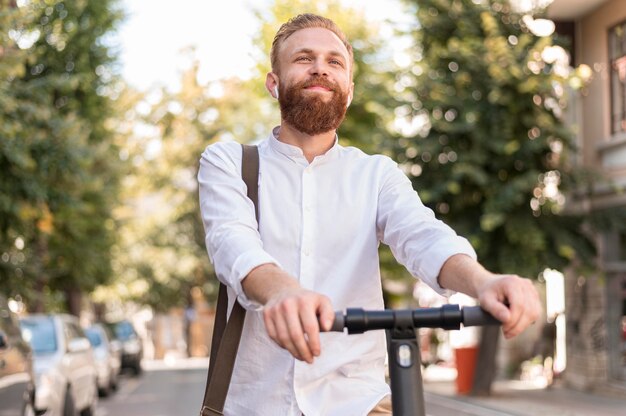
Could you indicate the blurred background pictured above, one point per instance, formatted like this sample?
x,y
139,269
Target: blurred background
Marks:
x,y
509,117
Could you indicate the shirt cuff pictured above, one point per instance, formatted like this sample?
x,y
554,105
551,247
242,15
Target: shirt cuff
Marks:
x,y
434,259
243,265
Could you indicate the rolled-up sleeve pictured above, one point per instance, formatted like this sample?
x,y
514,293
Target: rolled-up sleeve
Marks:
x,y
417,239
231,230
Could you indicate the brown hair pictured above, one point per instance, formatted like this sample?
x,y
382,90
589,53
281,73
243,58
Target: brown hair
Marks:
x,y
306,21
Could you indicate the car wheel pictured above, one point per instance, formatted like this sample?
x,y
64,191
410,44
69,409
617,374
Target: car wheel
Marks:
x,y
91,409
113,381
69,407
105,391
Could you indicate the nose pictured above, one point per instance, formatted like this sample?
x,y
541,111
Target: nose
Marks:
x,y
319,67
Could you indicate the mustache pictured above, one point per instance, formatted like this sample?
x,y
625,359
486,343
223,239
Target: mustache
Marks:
x,y
319,81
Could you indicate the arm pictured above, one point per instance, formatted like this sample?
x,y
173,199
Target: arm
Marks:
x,y
511,299
290,312
231,231
433,252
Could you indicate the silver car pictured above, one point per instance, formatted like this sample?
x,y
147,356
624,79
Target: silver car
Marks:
x,y
65,370
17,382
108,356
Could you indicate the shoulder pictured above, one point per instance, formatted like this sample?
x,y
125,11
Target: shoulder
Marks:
x,y
375,161
223,153
222,149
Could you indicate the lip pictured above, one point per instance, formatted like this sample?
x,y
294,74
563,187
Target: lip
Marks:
x,y
318,88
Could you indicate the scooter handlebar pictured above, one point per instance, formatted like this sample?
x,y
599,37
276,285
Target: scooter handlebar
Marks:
x,y
477,316
339,322
447,317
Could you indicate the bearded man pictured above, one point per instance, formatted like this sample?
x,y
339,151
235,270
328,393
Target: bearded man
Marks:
x,y
324,209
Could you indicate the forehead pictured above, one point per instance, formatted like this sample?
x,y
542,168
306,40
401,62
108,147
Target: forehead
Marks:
x,y
316,39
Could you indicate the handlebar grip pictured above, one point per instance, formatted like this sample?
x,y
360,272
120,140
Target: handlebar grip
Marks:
x,y
338,322
477,316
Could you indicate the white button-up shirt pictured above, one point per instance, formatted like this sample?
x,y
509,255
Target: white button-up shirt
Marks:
x,y
321,222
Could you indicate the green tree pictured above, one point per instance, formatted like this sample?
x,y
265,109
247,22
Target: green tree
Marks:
x,y
164,250
161,256
493,156
58,155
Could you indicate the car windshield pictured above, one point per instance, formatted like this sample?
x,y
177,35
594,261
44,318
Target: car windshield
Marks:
x,y
124,331
94,336
41,334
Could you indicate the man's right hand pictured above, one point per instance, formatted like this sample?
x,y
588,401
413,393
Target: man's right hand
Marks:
x,y
292,315
291,319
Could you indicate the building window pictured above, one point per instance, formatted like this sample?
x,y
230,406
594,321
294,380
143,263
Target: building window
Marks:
x,y
617,57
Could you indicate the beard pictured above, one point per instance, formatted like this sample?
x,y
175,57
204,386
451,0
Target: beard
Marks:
x,y
309,113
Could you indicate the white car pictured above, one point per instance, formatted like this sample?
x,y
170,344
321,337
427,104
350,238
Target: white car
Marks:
x,y
65,369
108,356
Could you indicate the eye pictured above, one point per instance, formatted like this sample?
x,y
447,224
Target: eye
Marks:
x,y
303,58
335,62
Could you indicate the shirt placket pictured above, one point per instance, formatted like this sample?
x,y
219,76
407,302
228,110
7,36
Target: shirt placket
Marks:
x,y
306,248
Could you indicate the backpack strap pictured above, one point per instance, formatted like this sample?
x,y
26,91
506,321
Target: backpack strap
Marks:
x,y
227,334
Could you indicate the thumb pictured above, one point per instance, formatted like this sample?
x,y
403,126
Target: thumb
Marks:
x,y
497,308
326,316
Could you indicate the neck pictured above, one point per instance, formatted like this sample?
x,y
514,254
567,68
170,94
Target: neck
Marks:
x,y
311,146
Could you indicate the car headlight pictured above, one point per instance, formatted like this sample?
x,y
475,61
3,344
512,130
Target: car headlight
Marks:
x,y
45,386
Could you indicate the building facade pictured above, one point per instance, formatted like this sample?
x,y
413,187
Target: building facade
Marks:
x,y
596,305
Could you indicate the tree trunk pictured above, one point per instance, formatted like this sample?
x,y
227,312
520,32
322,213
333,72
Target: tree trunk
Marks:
x,y
486,364
41,258
73,300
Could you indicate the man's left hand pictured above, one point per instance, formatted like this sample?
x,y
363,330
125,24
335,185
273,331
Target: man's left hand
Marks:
x,y
512,300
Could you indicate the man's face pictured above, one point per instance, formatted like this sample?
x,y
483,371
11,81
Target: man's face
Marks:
x,y
315,80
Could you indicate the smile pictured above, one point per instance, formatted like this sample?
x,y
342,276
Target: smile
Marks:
x,y
318,88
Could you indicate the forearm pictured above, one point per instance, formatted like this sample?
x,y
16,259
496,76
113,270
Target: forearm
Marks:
x,y
265,281
463,274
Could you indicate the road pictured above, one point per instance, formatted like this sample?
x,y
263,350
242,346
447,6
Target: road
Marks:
x,y
161,390
177,390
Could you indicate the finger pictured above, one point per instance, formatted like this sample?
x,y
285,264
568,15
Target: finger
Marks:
x,y
296,336
525,309
308,318
490,303
277,330
269,326
326,314
284,339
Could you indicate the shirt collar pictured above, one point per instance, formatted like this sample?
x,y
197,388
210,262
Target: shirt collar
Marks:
x,y
292,151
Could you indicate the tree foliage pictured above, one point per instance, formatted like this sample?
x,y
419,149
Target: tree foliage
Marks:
x,y
493,155
162,252
58,155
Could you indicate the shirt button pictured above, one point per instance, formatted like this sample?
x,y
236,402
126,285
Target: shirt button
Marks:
x,y
307,253
307,208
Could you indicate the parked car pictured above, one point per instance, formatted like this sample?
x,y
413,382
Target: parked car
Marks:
x,y
65,370
108,356
132,348
17,381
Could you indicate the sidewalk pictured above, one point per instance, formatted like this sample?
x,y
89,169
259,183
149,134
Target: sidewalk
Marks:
x,y
519,398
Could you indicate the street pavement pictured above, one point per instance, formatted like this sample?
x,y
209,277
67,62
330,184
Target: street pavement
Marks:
x,y
175,388
515,398
163,389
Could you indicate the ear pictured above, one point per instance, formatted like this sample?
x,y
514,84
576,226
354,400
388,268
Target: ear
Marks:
x,y
350,95
271,84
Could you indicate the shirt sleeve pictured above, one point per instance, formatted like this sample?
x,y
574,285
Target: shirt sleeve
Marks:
x,y
231,230
417,239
